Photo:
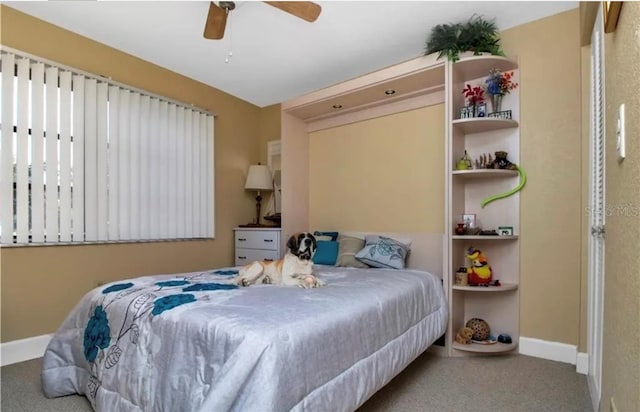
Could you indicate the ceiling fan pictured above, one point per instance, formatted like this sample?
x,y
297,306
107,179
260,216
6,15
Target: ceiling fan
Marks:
x,y
217,17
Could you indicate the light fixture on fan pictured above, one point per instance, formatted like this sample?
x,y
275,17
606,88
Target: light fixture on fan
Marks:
x,y
259,178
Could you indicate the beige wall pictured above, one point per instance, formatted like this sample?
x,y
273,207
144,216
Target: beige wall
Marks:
x,y
384,174
548,51
41,284
295,176
621,357
270,129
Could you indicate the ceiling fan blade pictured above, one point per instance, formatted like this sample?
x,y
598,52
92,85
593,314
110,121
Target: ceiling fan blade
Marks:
x,y
306,10
216,22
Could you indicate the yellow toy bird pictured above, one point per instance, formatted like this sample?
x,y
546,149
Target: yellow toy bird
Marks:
x,y
479,272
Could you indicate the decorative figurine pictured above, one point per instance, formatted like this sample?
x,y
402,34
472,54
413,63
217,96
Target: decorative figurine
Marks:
x,y
464,336
480,328
504,338
501,162
465,162
479,272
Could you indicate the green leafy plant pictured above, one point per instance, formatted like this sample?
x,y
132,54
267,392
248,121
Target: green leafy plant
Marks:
x,y
476,35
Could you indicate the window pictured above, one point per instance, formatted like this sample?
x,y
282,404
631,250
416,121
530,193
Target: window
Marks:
x,y
83,159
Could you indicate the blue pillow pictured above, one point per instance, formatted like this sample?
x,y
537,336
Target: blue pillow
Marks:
x,y
383,252
326,252
333,235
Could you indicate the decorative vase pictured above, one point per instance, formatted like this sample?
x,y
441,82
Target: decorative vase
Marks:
x,y
462,278
496,102
461,229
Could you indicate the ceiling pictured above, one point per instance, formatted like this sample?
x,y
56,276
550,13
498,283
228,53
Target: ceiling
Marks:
x,y
275,56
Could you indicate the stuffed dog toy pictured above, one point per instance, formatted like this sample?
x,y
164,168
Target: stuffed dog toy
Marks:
x,y
296,268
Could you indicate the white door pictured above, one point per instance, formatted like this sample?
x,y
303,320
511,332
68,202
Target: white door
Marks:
x,y
596,215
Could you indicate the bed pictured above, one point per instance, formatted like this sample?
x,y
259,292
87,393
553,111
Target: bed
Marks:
x,y
197,342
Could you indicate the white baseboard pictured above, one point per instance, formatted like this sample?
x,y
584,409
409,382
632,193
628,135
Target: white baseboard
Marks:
x,y
23,349
582,363
555,351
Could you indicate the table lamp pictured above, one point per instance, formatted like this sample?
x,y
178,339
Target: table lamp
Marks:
x,y
258,178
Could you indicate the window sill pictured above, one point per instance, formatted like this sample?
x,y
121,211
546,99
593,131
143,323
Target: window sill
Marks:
x,y
102,242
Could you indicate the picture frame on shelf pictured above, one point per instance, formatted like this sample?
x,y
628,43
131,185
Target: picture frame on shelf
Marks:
x,y
504,114
481,110
505,230
469,220
466,112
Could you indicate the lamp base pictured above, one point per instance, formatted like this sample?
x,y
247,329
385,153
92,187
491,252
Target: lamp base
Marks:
x,y
258,200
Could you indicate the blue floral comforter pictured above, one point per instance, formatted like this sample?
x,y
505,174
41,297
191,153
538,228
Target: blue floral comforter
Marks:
x,y
197,342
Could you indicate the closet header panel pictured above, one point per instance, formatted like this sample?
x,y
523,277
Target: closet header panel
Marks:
x,y
410,80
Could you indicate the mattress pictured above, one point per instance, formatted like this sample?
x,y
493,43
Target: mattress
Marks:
x,y
197,342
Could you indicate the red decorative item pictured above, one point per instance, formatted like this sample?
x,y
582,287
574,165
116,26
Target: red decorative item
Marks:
x,y
475,95
499,83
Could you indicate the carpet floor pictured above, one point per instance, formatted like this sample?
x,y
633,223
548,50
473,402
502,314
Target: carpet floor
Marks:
x,y
514,383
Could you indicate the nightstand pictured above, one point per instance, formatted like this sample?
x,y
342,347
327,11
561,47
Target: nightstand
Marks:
x,y
256,243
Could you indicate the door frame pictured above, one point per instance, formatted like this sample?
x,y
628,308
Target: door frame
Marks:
x,y
595,265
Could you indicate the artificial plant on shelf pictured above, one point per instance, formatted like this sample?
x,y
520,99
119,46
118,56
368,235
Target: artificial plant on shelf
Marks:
x,y
476,35
499,82
497,85
474,96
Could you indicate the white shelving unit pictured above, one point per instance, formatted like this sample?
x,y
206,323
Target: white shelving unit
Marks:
x,y
482,124
484,173
483,237
504,287
498,305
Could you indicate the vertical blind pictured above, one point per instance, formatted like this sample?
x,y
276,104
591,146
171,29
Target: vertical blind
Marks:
x,y
83,159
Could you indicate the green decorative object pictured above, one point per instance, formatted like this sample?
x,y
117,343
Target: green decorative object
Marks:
x,y
523,181
476,35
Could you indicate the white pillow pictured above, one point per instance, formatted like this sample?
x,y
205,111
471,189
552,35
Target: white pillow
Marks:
x,y
383,252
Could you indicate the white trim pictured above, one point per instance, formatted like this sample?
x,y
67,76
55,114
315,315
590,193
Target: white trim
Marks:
x,y
377,78
23,349
555,351
597,217
377,109
582,363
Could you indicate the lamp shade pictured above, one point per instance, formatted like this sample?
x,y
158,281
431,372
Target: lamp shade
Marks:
x,y
259,178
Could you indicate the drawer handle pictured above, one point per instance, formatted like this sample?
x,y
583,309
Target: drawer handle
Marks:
x,y
242,239
268,240
268,260
242,257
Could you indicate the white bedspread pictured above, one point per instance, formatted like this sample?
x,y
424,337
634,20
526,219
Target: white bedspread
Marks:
x,y
194,342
